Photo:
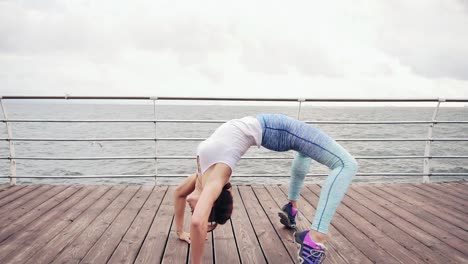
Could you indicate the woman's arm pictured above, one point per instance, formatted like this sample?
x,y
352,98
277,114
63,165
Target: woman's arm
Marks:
x,y
215,180
198,227
180,194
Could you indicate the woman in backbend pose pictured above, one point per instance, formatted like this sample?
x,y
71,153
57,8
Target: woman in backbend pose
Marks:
x,y
208,192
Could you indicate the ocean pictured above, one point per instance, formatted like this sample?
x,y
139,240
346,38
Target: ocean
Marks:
x,y
144,111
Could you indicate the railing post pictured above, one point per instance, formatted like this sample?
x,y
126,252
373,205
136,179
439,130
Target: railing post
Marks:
x,y
300,100
12,146
427,150
155,141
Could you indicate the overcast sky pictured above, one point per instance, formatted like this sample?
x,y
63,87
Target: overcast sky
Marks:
x,y
291,49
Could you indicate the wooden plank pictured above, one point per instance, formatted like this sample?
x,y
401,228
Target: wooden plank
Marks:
x,y
447,193
418,201
45,229
247,243
426,223
380,238
434,218
379,214
18,194
155,242
33,230
461,182
372,251
128,248
177,251
458,190
362,208
384,210
10,190
349,239
453,189
76,247
108,242
225,247
271,244
430,201
51,248
271,209
304,222
20,207
439,198
33,211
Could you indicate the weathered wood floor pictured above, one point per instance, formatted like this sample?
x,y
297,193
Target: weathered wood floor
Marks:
x,y
392,223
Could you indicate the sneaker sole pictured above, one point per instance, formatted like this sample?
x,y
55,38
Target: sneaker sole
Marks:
x,y
297,243
284,219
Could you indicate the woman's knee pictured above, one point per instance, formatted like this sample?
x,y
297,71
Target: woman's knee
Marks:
x,y
351,164
347,162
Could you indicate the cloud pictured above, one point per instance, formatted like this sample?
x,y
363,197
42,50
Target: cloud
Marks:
x,y
316,48
427,35
464,4
41,30
191,39
270,55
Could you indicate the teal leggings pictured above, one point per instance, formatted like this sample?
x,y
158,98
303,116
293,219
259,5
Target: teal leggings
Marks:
x,y
282,133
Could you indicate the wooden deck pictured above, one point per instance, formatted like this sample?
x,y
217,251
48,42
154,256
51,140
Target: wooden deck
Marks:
x,y
392,223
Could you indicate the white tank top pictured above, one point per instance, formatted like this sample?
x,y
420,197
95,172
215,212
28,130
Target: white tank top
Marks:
x,y
229,142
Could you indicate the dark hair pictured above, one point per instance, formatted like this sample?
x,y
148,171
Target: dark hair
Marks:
x,y
222,207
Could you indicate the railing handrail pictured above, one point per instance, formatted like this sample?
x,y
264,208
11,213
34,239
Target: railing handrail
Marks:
x,y
223,121
201,139
259,99
427,157
194,157
411,174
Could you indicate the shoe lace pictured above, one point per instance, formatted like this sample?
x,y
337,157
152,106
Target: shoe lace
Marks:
x,y
317,255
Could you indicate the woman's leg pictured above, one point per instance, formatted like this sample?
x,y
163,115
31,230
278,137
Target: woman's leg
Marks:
x,y
343,167
281,133
320,147
300,167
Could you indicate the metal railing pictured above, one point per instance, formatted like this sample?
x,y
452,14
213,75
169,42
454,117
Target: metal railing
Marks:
x,y
427,157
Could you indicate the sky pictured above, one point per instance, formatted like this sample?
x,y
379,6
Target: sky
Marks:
x,y
265,48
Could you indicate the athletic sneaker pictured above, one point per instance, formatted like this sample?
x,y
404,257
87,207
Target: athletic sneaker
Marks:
x,y
309,251
288,215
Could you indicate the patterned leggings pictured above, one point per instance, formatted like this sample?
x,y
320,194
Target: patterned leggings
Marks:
x,y
282,133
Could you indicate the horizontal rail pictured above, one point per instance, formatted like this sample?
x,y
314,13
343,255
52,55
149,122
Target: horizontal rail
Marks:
x,y
155,120
193,157
221,121
166,98
201,139
235,175
111,121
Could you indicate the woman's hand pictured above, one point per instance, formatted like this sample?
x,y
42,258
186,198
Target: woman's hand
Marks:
x,y
184,236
